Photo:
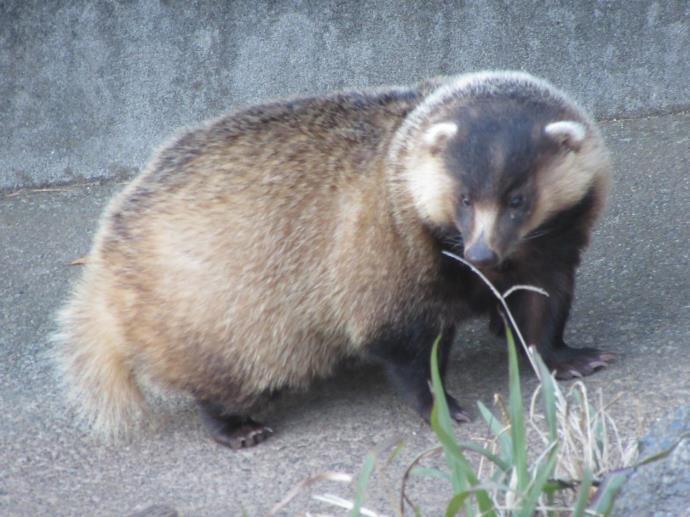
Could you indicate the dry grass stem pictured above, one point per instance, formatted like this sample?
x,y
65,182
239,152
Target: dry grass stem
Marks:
x,y
344,503
503,302
406,476
305,483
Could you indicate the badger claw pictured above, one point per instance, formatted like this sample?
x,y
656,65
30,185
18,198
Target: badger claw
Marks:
x,y
249,434
232,430
240,436
574,373
457,413
569,363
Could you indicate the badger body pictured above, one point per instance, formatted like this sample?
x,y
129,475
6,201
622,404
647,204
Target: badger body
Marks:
x,y
256,252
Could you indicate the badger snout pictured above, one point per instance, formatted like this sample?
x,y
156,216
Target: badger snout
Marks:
x,y
480,253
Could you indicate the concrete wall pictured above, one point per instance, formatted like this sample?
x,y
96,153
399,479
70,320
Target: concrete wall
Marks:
x,y
88,88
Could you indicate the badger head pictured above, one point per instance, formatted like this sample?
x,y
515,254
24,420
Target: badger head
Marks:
x,y
495,156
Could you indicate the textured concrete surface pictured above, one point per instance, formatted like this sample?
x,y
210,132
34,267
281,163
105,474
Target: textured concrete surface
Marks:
x,y
632,299
87,89
663,485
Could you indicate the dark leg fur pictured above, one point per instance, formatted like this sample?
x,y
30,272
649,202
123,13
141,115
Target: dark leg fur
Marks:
x,y
234,431
406,357
542,322
496,324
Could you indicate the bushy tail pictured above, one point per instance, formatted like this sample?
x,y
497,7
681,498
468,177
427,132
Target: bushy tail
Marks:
x,y
88,351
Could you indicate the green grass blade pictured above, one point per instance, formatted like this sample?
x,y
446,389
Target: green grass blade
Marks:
x,y
583,494
462,475
548,389
554,485
497,428
550,501
607,493
453,455
494,458
362,482
395,452
517,417
549,395
661,454
442,425
543,474
456,502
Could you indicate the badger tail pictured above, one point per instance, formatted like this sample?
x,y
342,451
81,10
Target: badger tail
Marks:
x,y
88,351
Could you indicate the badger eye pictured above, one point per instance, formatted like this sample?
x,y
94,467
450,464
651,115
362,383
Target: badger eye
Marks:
x,y
516,201
466,200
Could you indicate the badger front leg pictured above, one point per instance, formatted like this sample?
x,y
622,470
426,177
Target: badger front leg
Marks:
x,y
406,357
542,322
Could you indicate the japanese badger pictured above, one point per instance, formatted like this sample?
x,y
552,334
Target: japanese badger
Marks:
x,y
255,252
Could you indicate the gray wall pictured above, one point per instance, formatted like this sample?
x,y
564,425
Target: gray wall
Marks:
x,y
87,89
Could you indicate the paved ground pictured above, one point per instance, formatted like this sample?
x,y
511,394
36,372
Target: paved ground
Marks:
x,y
632,299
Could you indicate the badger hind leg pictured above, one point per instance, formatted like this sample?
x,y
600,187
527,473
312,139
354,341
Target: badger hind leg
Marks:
x,y
232,430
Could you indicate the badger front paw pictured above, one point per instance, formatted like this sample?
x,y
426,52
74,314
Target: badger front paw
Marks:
x,y
457,413
569,363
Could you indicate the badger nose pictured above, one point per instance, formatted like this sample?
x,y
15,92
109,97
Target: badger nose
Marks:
x,y
480,254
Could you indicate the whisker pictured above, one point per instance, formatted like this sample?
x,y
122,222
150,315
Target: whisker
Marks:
x,y
536,234
454,242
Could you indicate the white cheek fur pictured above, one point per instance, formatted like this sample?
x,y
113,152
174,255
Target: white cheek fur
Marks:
x,y
432,189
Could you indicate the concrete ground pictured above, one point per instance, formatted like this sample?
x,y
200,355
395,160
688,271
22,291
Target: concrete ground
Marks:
x,y
632,299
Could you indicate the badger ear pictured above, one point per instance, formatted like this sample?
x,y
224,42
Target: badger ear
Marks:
x,y
437,135
567,133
